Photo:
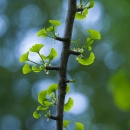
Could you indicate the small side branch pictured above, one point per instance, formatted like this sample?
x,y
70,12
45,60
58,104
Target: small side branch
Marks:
x,y
70,81
52,68
54,117
62,39
79,9
74,52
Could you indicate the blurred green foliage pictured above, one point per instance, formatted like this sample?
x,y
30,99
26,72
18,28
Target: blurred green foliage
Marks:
x,y
106,82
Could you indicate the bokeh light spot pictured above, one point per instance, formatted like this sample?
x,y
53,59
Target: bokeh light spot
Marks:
x,y
10,122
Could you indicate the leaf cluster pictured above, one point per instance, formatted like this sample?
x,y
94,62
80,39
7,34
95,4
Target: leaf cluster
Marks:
x,y
44,60
84,9
50,31
93,35
48,98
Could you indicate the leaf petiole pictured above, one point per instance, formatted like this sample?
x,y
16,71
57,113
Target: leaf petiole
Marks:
x,y
34,62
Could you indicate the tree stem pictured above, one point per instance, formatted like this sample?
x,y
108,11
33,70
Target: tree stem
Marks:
x,y
63,62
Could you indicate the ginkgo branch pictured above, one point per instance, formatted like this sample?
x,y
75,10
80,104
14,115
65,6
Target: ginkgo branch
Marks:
x,y
79,9
74,52
53,117
61,39
52,68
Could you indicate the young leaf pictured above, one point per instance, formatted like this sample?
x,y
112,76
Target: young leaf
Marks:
x,y
51,29
66,123
91,4
41,108
52,88
36,115
89,48
43,57
48,104
79,126
24,57
42,97
81,15
37,68
94,34
42,33
26,68
87,61
36,48
52,55
89,41
67,88
68,105
54,22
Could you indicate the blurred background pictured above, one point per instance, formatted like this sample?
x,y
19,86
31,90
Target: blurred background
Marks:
x,y
101,91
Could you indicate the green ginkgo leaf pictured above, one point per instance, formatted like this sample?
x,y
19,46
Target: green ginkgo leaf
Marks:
x,y
67,88
68,105
52,88
37,68
79,126
81,15
41,108
48,104
54,22
36,115
52,55
42,33
87,61
51,29
42,97
24,57
91,4
89,48
36,48
43,57
89,41
26,68
66,123
94,34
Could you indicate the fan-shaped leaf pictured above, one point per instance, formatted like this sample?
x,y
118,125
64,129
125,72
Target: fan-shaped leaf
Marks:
x,y
66,123
51,29
79,126
55,22
24,57
52,55
81,15
68,105
91,4
48,104
89,41
43,57
26,68
36,48
67,88
87,61
41,108
52,88
94,34
37,68
42,97
36,115
42,33
89,48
